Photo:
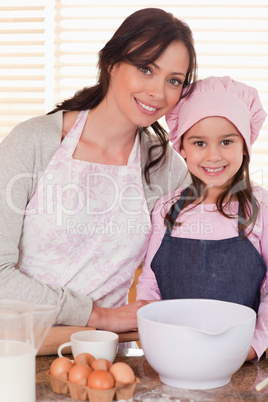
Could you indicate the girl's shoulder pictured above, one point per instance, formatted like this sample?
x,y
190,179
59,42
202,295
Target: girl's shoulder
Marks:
x,y
259,191
261,195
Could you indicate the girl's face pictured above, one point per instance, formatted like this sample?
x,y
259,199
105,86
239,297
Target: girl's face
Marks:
x,y
213,149
143,95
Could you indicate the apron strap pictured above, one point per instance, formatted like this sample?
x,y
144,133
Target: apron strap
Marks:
x,y
177,209
240,219
73,136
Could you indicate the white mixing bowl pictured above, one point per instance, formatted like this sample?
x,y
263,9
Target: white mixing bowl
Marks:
x,y
195,343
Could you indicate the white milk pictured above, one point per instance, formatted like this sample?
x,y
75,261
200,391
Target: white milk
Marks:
x,y
17,372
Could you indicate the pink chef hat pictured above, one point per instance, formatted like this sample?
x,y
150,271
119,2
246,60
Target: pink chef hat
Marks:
x,y
218,96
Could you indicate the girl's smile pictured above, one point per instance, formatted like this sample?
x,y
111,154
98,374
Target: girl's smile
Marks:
x,y
214,171
213,149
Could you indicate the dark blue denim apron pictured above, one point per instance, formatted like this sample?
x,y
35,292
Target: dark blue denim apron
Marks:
x,y
229,269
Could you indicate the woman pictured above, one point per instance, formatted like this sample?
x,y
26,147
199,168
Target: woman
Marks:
x,y
78,184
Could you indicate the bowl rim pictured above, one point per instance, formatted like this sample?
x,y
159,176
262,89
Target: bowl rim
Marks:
x,y
147,306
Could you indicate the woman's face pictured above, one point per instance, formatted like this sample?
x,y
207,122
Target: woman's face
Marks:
x,y
144,95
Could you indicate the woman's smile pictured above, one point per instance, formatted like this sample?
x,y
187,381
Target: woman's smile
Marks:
x,y
147,108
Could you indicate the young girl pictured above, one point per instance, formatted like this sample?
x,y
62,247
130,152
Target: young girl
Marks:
x,y
210,240
77,185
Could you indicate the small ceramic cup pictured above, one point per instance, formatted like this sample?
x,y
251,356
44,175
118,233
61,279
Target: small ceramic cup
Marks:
x,y
100,344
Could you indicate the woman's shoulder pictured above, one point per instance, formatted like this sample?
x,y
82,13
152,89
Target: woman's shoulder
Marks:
x,y
43,127
34,141
69,118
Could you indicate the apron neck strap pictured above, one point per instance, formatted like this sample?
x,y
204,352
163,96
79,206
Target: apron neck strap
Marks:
x,y
240,221
177,209
178,206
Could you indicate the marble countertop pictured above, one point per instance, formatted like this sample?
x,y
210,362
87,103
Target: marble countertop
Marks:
x,y
150,389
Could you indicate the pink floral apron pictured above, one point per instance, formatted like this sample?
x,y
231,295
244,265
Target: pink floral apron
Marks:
x,y
87,225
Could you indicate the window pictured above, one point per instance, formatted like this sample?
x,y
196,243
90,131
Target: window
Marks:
x,y
48,50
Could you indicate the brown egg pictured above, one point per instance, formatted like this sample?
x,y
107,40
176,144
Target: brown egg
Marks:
x,y
100,379
60,367
101,364
84,358
79,374
122,372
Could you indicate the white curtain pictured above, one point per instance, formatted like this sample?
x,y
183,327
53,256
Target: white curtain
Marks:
x,y
48,50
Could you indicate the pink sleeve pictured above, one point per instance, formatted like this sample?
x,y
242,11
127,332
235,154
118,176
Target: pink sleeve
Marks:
x,y
147,288
260,338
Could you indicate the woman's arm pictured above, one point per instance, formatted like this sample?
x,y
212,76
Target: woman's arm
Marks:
x,y
24,155
120,319
20,155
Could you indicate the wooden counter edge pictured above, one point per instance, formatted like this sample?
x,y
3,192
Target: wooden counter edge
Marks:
x,y
61,334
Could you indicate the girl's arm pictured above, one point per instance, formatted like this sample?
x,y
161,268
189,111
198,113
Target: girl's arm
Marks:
x,y
260,338
147,287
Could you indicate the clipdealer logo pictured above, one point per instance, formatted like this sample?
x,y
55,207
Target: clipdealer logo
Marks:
x,y
64,201
108,228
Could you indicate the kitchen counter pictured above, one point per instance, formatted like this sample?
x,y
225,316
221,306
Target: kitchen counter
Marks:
x,y
150,389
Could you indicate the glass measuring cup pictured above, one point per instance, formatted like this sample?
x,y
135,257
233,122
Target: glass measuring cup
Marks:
x,y
23,327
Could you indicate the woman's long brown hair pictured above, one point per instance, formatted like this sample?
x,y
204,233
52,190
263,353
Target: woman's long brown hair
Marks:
x,y
140,40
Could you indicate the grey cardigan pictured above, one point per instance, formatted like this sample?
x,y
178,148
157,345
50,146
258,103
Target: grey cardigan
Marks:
x,y
24,155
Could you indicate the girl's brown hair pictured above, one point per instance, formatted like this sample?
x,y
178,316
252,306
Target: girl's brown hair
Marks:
x,y
140,40
239,187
